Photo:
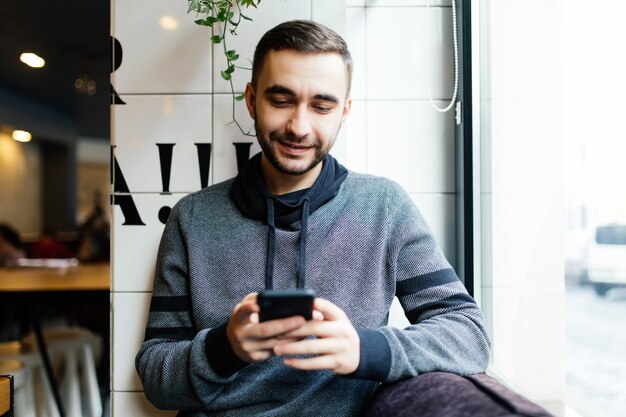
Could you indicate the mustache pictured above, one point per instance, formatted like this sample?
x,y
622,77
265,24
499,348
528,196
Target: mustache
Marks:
x,y
290,138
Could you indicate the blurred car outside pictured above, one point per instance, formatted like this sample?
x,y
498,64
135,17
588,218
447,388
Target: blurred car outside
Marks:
x,y
605,264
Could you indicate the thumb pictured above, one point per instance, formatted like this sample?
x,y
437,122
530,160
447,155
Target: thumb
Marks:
x,y
328,309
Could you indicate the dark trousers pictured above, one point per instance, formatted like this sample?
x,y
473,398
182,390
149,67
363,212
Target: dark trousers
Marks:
x,y
440,394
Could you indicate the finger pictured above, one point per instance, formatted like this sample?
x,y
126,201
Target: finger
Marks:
x,y
250,297
309,347
313,328
328,309
244,310
251,345
273,328
317,315
316,363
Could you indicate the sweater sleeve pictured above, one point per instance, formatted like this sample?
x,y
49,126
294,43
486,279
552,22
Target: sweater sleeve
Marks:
x,y
180,367
447,331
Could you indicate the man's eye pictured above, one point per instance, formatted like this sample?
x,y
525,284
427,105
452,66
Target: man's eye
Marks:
x,y
280,103
322,109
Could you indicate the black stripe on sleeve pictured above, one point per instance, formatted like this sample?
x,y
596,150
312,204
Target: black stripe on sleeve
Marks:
x,y
421,282
174,333
170,303
449,302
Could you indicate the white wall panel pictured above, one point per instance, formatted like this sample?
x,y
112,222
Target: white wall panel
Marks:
x,y
411,143
130,314
525,67
356,36
528,155
439,211
525,229
331,13
135,404
395,3
135,246
351,146
146,121
226,134
396,53
156,59
269,14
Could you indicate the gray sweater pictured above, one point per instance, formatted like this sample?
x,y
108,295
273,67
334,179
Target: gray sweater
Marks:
x,y
365,246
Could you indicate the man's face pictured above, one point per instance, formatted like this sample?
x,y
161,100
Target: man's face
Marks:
x,y
298,106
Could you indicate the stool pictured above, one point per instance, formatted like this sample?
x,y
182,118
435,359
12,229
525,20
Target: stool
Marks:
x,y
72,353
71,349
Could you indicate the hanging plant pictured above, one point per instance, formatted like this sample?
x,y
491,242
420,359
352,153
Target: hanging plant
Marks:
x,y
224,16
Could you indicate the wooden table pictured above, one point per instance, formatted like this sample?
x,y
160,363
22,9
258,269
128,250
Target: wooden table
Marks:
x,y
88,277
27,287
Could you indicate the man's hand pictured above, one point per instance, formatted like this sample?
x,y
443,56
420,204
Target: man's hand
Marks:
x,y
253,341
337,344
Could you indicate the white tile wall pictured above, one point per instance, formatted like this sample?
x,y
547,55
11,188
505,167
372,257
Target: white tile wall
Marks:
x,y
350,149
135,404
440,213
527,329
392,3
226,133
522,200
411,143
135,247
525,67
130,313
148,120
527,233
396,53
157,60
528,146
356,37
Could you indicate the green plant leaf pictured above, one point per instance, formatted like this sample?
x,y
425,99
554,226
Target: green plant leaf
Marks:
x,y
232,55
225,75
250,3
194,5
240,97
230,69
216,38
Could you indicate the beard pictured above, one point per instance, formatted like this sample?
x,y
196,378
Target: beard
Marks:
x,y
284,164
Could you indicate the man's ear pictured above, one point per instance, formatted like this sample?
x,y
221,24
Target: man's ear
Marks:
x,y
347,106
250,99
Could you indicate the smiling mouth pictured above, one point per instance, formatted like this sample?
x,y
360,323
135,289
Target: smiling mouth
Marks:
x,y
293,148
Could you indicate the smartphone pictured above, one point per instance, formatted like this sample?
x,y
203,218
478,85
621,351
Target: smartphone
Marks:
x,y
278,304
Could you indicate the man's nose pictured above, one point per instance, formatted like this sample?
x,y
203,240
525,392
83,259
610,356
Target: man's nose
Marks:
x,y
299,124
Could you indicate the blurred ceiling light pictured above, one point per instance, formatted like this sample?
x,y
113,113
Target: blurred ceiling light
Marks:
x,y
21,136
32,60
168,23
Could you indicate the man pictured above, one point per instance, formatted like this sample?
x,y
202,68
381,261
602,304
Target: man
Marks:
x,y
294,217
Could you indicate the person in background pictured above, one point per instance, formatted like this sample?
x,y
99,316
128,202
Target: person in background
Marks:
x,y
49,247
296,218
95,236
11,248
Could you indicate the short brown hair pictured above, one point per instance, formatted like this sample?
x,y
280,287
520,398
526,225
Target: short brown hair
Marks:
x,y
302,36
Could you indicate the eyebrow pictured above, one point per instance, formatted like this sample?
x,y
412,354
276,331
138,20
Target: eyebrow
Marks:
x,y
281,89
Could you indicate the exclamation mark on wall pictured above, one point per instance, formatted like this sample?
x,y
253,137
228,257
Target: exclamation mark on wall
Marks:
x,y
204,162
243,153
165,160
